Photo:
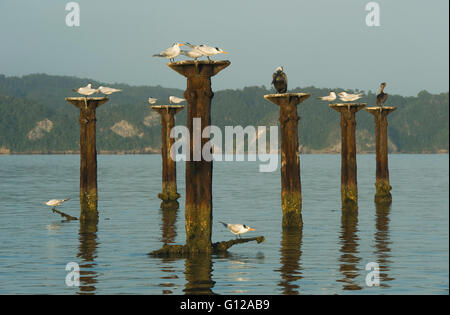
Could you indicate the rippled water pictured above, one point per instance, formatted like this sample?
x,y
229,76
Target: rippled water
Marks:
x,y
409,239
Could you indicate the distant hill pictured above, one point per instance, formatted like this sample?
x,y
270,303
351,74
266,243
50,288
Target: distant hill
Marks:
x,y
35,118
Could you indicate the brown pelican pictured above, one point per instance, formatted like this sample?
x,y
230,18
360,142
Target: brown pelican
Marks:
x,y
382,97
279,80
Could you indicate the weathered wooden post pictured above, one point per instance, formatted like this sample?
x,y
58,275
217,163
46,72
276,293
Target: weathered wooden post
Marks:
x,y
349,187
291,191
382,185
169,194
198,94
88,154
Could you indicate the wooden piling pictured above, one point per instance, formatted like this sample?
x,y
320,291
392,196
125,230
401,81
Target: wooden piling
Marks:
x,y
198,211
349,187
88,154
382,185
169,194
291,192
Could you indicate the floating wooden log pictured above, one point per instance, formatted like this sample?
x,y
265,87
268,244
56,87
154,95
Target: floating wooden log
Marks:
x,y
64,215
217,248
291,191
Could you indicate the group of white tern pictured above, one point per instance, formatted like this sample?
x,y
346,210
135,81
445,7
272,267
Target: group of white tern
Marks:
x,y
89,90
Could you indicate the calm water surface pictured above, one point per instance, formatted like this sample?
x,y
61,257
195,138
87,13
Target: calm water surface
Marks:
x,y
409,239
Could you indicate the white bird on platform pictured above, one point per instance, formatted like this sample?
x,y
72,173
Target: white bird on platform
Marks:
x,y
328,98
344,96
86,90
207,50
237,229
171,52
152,100
107,90
56,202
193,53
176,100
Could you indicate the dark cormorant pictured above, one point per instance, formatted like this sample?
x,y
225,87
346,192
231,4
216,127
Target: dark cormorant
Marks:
x,y
279,80
382,97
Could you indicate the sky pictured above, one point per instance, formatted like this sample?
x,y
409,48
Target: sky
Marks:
x,y
324,43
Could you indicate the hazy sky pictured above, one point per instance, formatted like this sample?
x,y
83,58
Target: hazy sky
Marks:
x,y
325,43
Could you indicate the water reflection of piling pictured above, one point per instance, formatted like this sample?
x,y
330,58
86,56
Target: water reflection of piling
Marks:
x,y
349,187
199,274
382,184
87,251
168,227
291,253
198,210
349,248
169,194
382,242
88,153
291,191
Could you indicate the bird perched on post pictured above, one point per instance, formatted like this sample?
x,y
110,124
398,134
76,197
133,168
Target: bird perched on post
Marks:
x,y
206,50
193,53
171,52
152,100
237,229
328,98
382,97
107,90
346,97
86,90
279,80
175,100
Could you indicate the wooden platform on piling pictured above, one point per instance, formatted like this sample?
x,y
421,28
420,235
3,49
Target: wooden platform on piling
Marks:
x,y
274,97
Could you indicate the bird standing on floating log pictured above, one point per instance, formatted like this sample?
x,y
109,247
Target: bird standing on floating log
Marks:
x,y
382,97
56,202
175,100
237,229
344,96
171,52
86,90
279,80
328,98
107,90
